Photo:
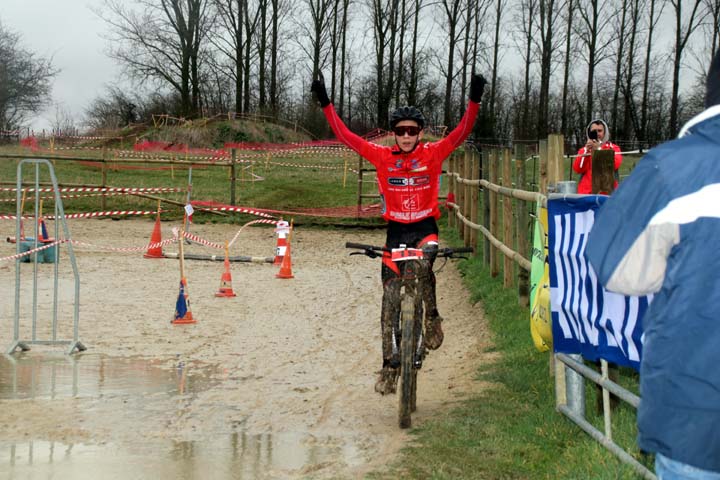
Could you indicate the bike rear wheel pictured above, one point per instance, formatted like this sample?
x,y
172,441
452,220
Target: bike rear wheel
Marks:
x,y
408,375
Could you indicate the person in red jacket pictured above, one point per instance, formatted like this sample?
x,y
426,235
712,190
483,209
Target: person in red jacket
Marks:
x,y
598,138
408,176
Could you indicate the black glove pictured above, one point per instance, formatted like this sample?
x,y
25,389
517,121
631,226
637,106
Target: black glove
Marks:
x,y
318,89
477,86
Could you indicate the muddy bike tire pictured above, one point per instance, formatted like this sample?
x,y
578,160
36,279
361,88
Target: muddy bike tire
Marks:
x,y
408,374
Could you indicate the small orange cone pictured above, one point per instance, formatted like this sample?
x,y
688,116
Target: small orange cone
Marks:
x,y
226,280
282,230
155,238
183,315
286,267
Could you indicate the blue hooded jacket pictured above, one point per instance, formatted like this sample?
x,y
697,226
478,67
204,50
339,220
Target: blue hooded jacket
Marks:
x,y
659,233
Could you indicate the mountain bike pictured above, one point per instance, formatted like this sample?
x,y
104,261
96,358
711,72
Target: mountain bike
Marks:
x,y
408,329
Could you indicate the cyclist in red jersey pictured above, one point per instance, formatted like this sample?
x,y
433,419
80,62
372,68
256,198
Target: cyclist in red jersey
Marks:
x,y
408,176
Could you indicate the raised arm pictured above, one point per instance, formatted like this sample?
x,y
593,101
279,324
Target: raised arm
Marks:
x,y
343,134
465,127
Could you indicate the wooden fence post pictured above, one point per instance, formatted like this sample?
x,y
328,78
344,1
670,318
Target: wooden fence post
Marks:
x,y
103,203
460,197
467,197
508,264
474,192
486,206
451,190
543,167
360,185
555,160
233,175
522,221
494,214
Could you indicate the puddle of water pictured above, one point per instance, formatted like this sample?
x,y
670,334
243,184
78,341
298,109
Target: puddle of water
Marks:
x,y
144,385
57,376
235,456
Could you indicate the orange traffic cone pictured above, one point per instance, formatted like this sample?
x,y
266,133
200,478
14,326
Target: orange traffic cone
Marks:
x,y
282,230
183,315
155,238
286,267
226,280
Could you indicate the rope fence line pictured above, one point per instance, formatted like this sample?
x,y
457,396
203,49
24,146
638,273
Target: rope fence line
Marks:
x,y
519,259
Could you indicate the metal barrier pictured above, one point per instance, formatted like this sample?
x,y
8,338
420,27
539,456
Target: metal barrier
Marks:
x,y
570,401
24,344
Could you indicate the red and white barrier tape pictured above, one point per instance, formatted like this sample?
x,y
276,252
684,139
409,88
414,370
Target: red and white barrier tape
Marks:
x,y
98,247
143,248
202,241
86,215
117,190
253,222
30,252
229,208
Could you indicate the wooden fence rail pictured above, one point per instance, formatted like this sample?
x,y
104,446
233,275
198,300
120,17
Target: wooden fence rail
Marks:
x,y
505,229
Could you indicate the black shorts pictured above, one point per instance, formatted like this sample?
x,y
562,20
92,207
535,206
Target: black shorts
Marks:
x,y
412,235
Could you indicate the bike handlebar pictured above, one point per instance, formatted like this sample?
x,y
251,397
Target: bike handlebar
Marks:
x,y
442,252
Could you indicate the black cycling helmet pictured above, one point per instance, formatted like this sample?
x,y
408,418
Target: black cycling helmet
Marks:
x,y
407,113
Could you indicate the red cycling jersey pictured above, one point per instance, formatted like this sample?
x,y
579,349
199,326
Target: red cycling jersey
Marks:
x,y
408,182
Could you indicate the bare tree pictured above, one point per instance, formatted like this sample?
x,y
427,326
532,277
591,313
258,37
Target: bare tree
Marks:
x,y
712,27
499,8
262,52
595,16
412,82
114,109
570,17
230,41
161,40
636,12
656,8
343,55
384,27
621,40
452,22
274,37
685,25
526,33
548,16
62,123
317,32
25,80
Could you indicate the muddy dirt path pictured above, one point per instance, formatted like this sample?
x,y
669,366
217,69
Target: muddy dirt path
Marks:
x,y
276,382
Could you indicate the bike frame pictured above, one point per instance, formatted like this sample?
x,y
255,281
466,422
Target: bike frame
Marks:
x,y
414,265
408,326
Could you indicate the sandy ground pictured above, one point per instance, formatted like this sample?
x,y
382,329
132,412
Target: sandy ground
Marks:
x,y
292,358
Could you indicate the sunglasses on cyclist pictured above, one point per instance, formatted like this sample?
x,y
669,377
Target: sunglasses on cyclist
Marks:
x,y
401,130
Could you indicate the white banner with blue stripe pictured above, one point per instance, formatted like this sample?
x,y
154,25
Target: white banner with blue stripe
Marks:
x,y
587,319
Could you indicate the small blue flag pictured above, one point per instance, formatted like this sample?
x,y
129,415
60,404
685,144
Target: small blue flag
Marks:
x,y
181,304
43,228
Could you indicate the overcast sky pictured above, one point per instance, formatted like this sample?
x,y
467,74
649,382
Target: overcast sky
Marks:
x,y
68,31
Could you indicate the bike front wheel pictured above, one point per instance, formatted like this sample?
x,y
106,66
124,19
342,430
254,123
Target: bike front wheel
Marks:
x,y
408,381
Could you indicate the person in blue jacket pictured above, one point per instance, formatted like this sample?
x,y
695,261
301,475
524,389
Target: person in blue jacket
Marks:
x,y
659,233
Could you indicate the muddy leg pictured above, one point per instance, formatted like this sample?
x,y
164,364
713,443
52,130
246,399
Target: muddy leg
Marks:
x,y
389,316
